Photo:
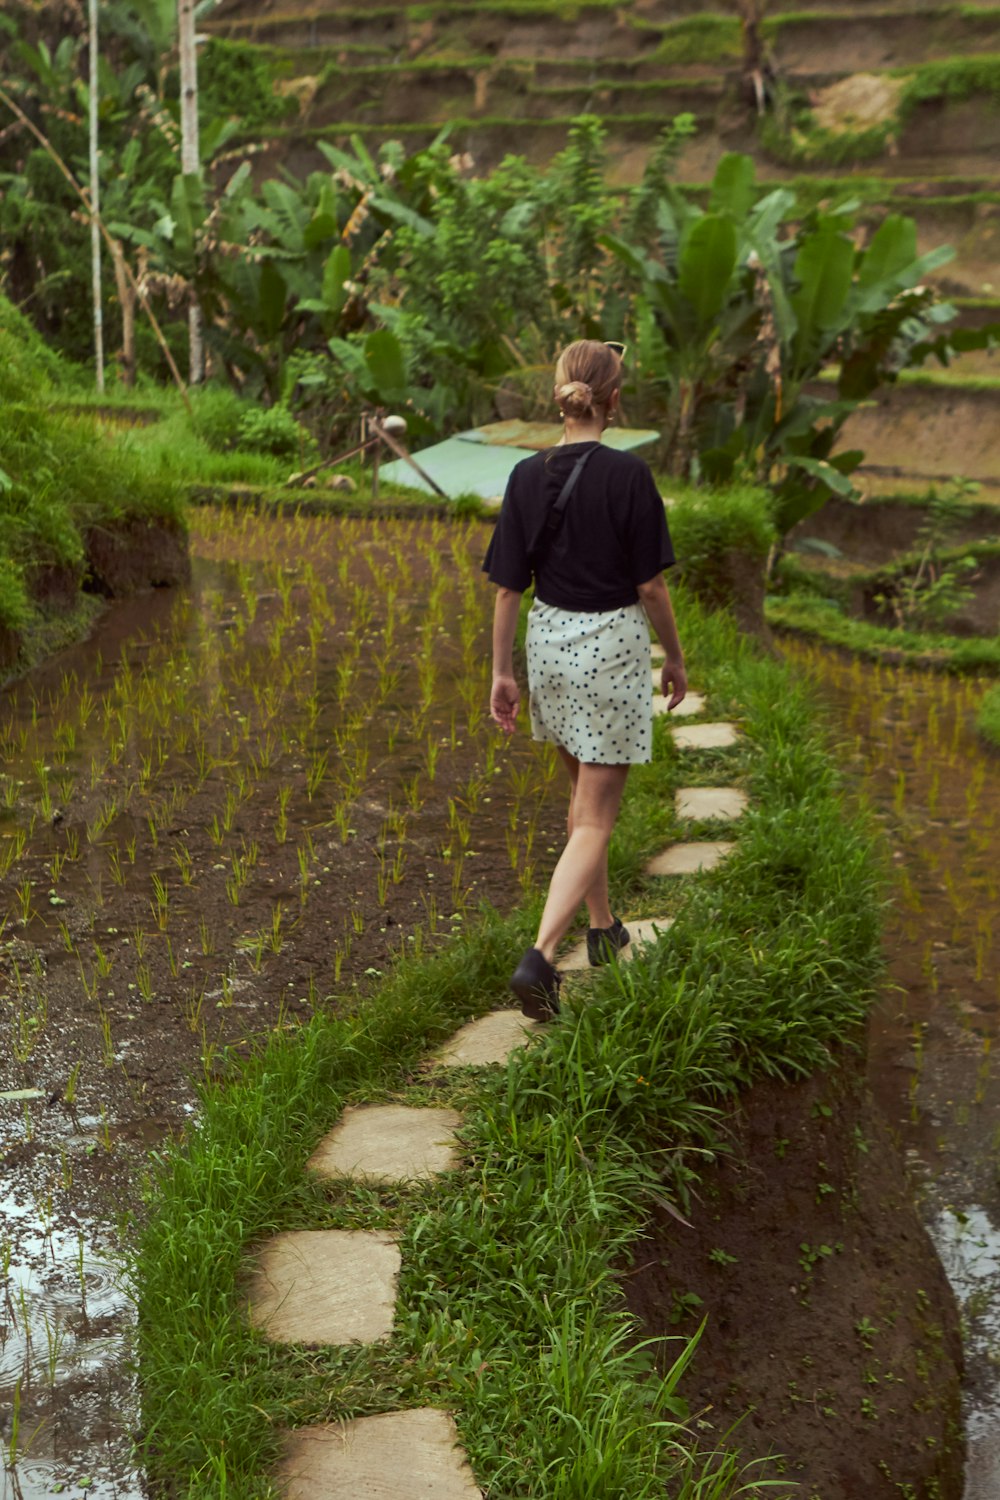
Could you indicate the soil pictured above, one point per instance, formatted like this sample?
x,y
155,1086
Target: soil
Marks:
x,y
121,557
932,430
831,1335
878,533
134,553
909,740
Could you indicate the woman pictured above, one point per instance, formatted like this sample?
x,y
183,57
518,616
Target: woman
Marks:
x,y
586,523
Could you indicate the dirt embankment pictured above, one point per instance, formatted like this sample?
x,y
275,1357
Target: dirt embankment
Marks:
x,y
831,1334
120,558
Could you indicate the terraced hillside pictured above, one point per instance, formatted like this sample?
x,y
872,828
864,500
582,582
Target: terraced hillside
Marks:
x,y
902,100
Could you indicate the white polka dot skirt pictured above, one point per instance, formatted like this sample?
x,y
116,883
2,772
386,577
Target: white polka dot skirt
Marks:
x,y
590,682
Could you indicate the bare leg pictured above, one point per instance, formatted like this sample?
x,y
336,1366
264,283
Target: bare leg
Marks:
x,y
583,864
596,898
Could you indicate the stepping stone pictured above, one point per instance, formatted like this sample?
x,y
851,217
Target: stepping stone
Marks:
x,y
645,930
326,1286
688,708
687,859
698,802
389,1143
706,736
491,1039
401,1455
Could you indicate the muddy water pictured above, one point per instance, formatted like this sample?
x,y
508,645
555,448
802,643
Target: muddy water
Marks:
x,y
231,803
909,738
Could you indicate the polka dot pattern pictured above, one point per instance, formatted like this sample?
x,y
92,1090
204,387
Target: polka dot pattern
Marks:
x,y
589,682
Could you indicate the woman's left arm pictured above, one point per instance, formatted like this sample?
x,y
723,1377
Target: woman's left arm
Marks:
x,y
505,695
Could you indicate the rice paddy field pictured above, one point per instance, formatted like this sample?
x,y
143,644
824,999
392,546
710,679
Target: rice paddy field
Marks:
x,y
232,802
242,798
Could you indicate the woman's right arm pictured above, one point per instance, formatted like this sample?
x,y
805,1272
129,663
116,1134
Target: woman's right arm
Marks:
x,y
654,596
505,695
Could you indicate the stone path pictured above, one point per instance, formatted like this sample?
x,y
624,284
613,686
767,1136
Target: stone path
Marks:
x,y
398,1456
688,859
389,1143
326,1286
330,1286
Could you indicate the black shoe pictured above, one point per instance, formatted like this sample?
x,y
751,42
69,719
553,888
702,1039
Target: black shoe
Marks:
x,y
536,984
604,942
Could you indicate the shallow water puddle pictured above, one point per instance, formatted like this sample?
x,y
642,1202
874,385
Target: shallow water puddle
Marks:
x,y
908,738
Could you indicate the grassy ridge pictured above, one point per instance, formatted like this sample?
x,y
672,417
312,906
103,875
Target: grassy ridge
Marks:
x,y
823,619
58,475
508,1310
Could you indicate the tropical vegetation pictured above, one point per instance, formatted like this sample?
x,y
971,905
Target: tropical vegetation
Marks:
x,y
398,278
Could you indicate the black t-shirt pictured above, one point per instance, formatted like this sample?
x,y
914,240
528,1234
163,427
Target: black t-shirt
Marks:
x,y
613,534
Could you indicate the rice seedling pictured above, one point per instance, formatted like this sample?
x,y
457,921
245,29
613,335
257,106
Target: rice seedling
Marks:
x,y
160,904
11,850
102,962
276,939
316,774
72,1085
281,818
205,938
107,1041
24,902
194,1003
184,863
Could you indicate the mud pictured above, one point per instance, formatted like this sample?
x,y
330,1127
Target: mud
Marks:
x,y
831,1347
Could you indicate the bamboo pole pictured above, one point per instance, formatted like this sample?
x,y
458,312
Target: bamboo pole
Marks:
x,y
190,164
95,201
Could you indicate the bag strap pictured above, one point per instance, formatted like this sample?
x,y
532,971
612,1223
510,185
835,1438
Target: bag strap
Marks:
x,y
558,509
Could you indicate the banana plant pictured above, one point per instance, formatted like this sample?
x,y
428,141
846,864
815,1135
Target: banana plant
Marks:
x,y
742,309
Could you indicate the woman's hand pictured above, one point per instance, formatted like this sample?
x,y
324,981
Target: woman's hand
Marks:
x,y
673,682
505,700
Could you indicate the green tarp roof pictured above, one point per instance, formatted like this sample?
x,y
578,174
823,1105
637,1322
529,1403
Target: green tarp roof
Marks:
x,y
478,462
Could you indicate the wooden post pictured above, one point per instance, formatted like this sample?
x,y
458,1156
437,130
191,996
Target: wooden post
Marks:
x,y
126,301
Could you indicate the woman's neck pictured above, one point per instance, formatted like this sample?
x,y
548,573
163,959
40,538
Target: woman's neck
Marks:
x,y
583,431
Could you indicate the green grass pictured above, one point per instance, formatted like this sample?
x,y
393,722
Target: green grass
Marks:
x,y
699,39
650,120
823,619
509,1312
988,717
59,476
937,377
628,87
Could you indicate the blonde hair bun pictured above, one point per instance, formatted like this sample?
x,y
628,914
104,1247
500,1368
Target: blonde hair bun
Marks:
x,y
587,375
575,398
